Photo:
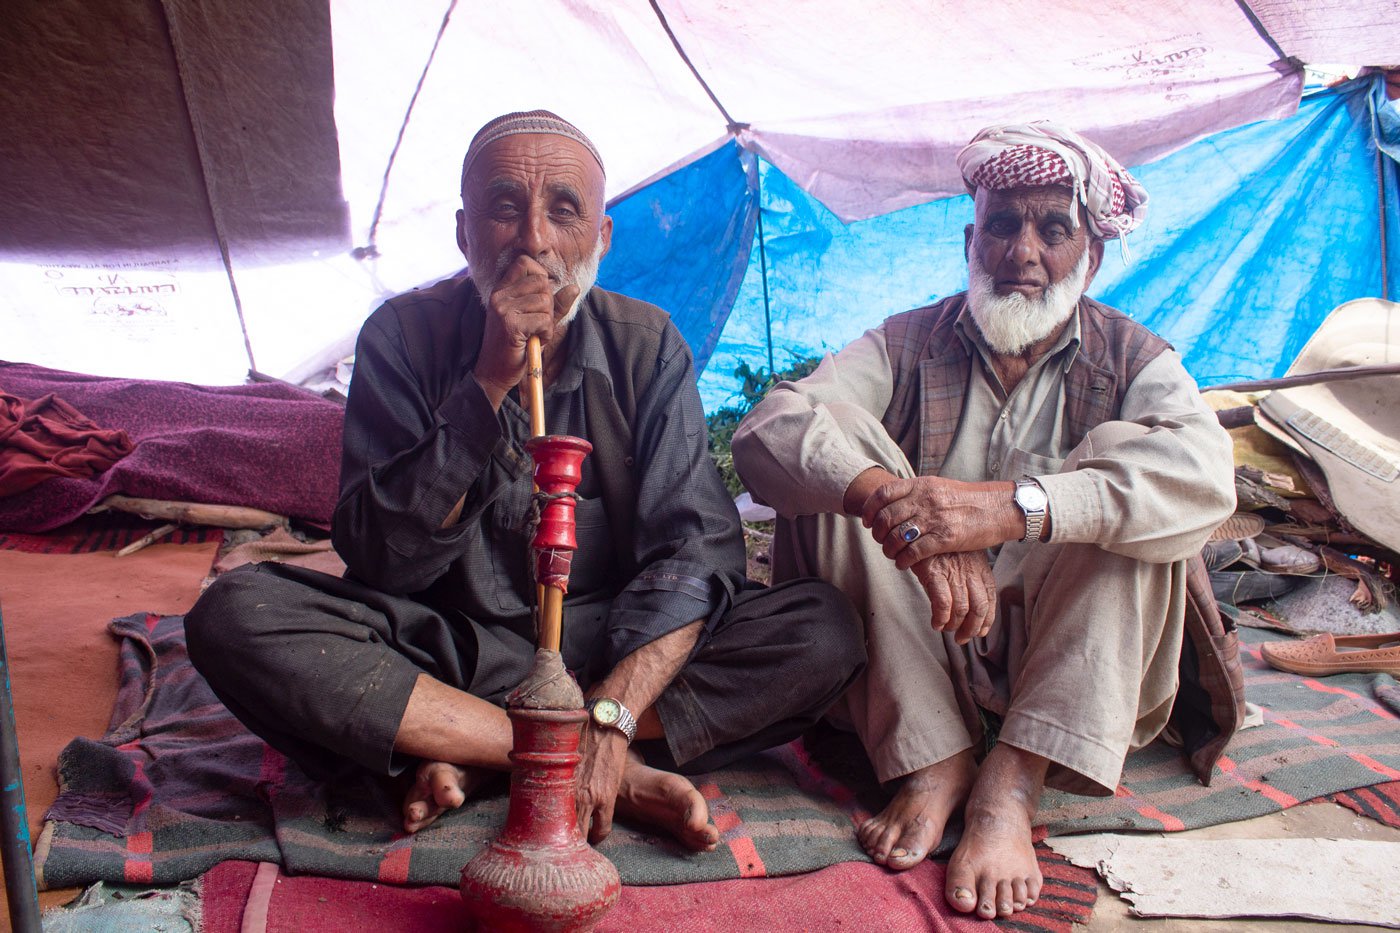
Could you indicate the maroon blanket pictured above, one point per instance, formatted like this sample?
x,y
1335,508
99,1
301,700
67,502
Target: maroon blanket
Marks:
x,y
45,437
270,446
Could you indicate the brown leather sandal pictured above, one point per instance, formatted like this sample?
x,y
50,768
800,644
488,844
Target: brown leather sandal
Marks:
x,y
1326,654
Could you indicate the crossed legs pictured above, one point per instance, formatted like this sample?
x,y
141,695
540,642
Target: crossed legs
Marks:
x,y
1080,666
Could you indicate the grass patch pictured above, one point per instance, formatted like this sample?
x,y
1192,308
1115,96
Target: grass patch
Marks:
x,y
754,385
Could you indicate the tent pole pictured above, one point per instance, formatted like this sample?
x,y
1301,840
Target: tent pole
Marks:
x,y
14,817
763,268
1385,250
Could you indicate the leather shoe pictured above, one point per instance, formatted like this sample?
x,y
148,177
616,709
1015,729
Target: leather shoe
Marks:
x,y
1326,654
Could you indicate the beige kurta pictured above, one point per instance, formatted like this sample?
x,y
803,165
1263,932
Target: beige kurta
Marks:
x,y
1081,664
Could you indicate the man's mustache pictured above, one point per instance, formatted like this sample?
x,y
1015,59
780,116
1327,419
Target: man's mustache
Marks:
x,y
557,271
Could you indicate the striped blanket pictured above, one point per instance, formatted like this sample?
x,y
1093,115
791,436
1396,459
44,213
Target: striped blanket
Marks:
x,y
107,531
178,785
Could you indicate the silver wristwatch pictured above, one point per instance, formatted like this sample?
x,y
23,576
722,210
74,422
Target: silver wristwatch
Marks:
x,y
610,714
1030,497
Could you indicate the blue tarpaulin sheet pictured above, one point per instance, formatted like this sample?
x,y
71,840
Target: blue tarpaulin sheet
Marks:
x,y
682,243
1252,236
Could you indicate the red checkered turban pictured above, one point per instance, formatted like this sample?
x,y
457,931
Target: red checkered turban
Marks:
x,y
1028,155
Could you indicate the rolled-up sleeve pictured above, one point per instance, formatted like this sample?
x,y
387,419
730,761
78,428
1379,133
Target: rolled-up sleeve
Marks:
x,y
406,462
790,451
687,544
1156,496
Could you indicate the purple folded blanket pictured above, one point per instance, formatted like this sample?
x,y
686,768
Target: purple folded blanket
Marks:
x,y
268,446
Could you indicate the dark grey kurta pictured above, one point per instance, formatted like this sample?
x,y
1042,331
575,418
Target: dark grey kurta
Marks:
x,y
322,667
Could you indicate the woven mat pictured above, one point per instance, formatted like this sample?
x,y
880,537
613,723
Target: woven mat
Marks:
x,y
178,785
239,897
1319,737
1381,802
105,531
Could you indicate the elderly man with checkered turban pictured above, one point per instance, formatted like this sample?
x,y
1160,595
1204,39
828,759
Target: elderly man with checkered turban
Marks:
x,y
1036,474
403,665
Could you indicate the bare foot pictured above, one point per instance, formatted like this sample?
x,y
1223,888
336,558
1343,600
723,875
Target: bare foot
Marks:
x,y
437,788
993,870
907,830
667,801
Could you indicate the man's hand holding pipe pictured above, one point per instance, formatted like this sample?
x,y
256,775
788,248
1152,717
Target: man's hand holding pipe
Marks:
x,y
523,304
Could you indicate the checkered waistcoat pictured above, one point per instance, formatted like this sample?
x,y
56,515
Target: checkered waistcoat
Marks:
x,y
931,369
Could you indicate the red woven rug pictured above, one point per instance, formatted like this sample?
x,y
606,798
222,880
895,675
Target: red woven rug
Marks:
x,y
1381,802
244,897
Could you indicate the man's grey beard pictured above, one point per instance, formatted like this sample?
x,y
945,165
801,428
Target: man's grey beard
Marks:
x,y
1011,323
584,275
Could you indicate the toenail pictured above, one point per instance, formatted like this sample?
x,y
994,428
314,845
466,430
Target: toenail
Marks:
x,y
1003,907
899,853
962,894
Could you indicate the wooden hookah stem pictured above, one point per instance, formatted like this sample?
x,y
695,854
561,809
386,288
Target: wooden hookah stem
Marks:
x,y
534,382
549,599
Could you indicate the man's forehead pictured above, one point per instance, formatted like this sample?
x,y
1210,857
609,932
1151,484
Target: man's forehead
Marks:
x,y
1039,200
1040,197
521,154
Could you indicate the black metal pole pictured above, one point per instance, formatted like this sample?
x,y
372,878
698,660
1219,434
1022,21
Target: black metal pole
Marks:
x,y
763,269
1385,248
14,818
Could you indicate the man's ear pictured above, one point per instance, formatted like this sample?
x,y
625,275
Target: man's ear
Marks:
x,y
605,233
462,233
967,241
1095,259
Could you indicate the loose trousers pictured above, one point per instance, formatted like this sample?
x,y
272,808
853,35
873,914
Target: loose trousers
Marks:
x,y
321,667
1080,665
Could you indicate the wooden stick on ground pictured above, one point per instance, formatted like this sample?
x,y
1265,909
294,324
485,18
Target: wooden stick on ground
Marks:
x,y
147,540
191,513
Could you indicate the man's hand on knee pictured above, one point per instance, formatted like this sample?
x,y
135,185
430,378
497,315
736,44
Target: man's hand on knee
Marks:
x,y
602,758
962,591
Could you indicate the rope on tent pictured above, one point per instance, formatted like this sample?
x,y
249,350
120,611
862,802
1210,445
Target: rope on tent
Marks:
x,y
172,30
1258,25
733,125
370,250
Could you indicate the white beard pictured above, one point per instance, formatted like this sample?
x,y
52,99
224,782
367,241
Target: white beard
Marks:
x,y
583,275
1011,323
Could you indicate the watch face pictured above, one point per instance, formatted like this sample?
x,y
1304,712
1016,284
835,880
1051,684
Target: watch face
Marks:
x,y
606,711
1030,497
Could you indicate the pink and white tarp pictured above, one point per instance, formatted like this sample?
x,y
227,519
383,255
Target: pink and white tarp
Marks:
x,y
191,180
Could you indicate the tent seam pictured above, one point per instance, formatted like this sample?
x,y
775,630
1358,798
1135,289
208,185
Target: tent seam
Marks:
x,y
215,215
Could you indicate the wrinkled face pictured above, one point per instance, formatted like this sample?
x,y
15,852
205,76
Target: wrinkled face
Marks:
x,y
1027,266
533,194
1027,240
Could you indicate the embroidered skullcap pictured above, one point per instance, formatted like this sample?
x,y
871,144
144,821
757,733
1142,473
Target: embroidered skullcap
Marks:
x,y
1026,155
530,121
